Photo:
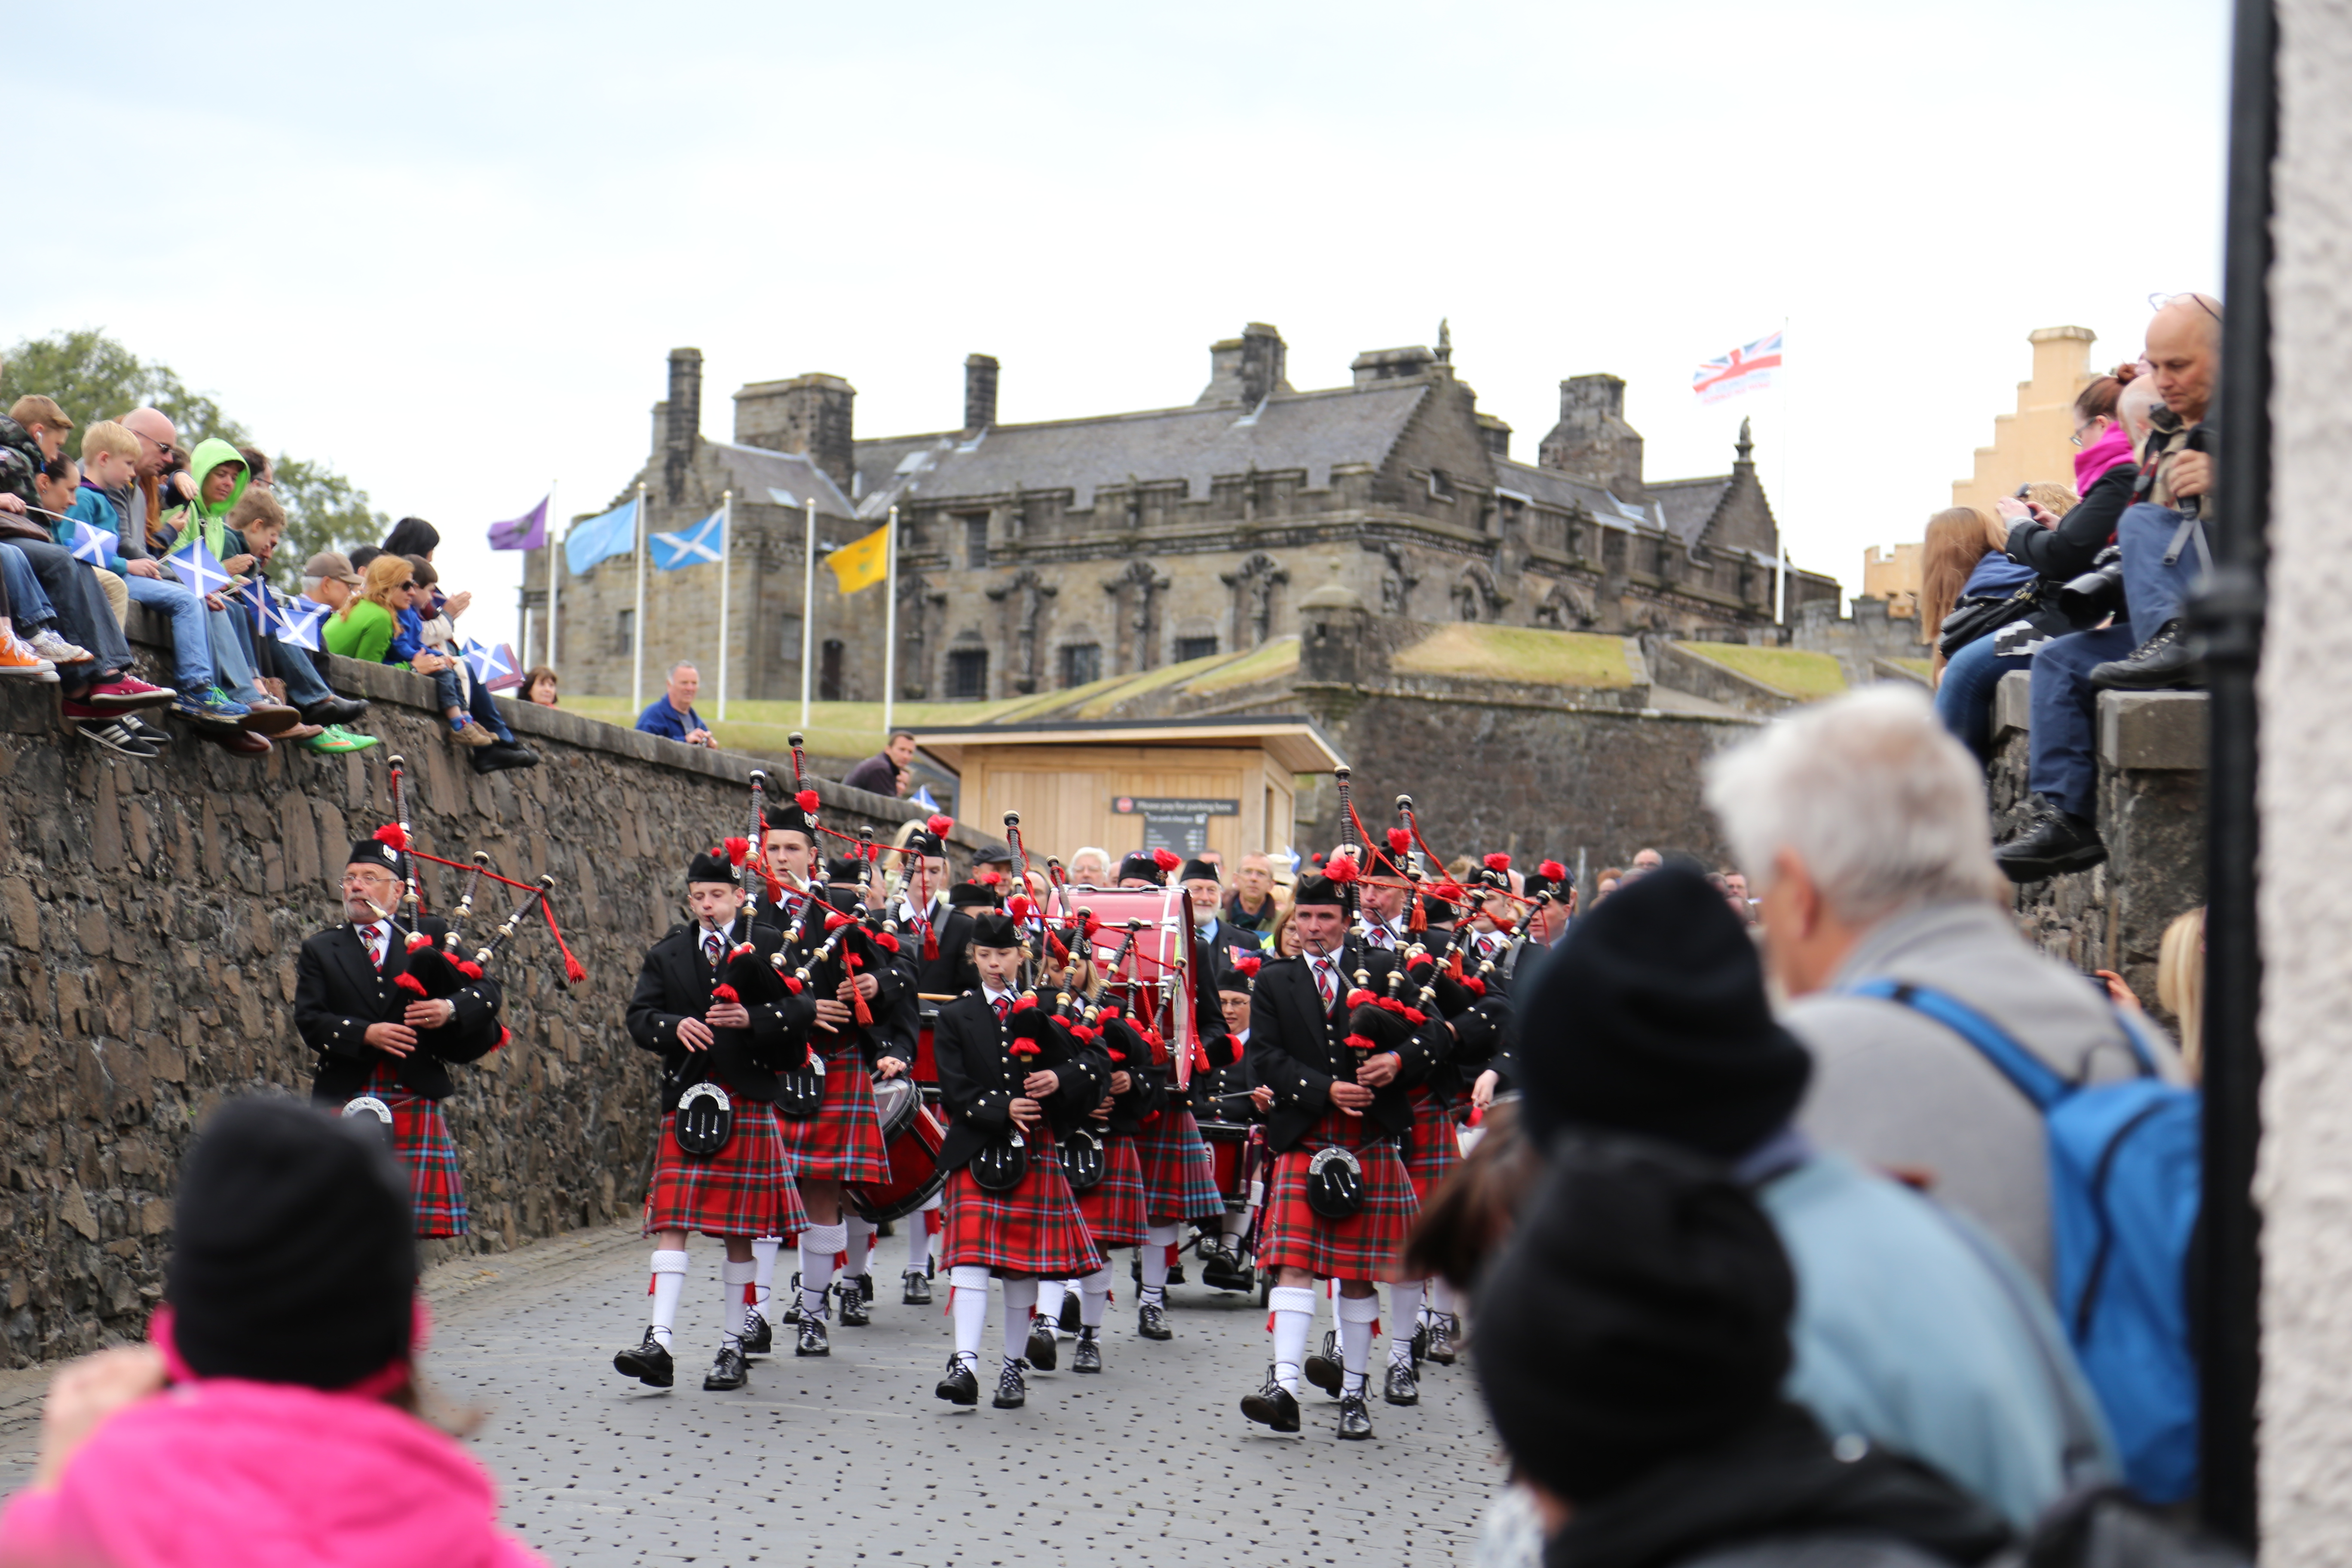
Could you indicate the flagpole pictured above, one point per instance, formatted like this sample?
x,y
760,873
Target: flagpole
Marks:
x,y
1781,611
638,626
555,581
889,622
808,601
726,551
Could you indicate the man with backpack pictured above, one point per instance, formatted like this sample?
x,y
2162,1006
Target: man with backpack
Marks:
x,y
1948,1051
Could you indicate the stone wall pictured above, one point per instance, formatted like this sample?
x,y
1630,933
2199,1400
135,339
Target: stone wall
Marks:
x,y
149,915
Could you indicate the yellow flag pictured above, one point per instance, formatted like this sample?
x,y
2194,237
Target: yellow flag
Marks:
x,y
861,563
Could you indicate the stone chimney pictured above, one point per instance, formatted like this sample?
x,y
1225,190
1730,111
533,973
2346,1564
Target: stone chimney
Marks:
x,y
681,421
1593,439
1374,366
978,393
810,414
1495,433
1247,369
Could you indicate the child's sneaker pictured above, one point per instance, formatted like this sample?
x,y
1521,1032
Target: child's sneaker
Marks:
x,y
469,733
18,658
125,693
57,650
211,705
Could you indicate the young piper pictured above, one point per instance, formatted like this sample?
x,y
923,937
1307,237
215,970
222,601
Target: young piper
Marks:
x,y
1032,1231
1224,1093
375,1038
685,1011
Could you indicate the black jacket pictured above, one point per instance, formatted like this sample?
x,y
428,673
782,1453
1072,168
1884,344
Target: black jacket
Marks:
x,y
979,1077
892,1005
337,994
1220,1094
951,973
676,984
2064,551
1148,1087
1295,1049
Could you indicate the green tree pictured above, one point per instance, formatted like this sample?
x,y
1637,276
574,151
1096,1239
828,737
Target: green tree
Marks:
x,y
93,377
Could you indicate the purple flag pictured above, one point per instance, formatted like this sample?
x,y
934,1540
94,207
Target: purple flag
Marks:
x,y
527,531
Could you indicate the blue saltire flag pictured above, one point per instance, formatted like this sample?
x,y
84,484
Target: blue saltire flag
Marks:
x,y
94,544
196,566
922,797
494,667
297,622
601,538
701,545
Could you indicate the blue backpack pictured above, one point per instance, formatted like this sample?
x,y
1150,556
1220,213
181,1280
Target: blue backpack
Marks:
x,y
2125,1181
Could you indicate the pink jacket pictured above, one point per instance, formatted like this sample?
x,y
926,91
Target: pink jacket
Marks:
x,y
265,1475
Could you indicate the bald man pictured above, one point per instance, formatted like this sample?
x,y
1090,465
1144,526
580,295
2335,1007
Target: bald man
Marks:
x,y
2164,549
161,463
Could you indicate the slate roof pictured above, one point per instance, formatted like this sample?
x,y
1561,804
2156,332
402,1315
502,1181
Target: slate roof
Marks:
x,y
1556,489
1689,505
778,478
1290,431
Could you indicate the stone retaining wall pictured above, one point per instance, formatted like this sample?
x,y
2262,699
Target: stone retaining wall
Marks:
x,y
149,915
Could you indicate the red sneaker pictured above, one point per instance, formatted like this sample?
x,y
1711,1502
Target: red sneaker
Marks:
x,y
126,692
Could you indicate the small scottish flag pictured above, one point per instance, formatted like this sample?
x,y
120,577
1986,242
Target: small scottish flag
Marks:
x,y
296,622
196,566
95,545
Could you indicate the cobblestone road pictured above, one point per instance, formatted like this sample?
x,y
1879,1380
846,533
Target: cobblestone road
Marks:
x,y
850,1461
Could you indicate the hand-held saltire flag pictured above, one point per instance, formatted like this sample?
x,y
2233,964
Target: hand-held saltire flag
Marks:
x,y
699,545
527,531
922,797
95,545
1748,368
862,562
298,623
195,566
599,538
494,666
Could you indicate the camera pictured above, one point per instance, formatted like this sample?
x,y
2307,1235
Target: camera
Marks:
x,y
2086,600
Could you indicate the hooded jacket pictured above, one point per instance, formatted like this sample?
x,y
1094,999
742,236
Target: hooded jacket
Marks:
x,y
183,520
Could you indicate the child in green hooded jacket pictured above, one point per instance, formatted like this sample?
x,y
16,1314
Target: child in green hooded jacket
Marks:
x,y
220,475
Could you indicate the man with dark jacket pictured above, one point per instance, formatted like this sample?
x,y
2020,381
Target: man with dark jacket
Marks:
x,y
364,1003
708,1003
878,774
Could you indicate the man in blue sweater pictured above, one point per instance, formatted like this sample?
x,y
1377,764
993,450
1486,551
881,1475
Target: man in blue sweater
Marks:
x,y
672,715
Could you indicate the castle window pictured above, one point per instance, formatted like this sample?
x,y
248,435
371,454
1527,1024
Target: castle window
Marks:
x,y
624,632
1081,664
975,539
790,626
828,671
1194,647
967,674
1440,485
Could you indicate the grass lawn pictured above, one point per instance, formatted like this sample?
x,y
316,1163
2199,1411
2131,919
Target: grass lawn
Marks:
x,y
1804,676
1473,649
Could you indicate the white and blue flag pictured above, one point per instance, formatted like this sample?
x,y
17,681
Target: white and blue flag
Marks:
x,y
704,544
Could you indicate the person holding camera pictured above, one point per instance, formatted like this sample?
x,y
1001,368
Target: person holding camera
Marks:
x,y
2159,545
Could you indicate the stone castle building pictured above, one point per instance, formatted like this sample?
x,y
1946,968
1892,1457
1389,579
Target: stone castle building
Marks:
x,y
1040,556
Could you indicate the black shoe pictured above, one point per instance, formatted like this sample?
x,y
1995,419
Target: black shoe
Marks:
x,y
1221,1271
1272,1405
792,1313
959,1386
1012,1394
760,1339
866,1288
1069,1321
1322,1368
153,735
1088,1355
1151,1322
110,734
1441,1339
2163,663
1420,1344
648,1362
812,1339
854,1314
334,710
726,1371
1355,1417
918,1292
498,756
1044,1354
2055,841
1400,1388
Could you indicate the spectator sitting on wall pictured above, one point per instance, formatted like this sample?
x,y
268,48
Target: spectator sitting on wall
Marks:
x,y
878,774
55,488
473,713
539,686
1864,821
257,525
671,715
1911,1334
413,536
364,557
363,629
163,475
1252,906
1963,572
107,501
283,1353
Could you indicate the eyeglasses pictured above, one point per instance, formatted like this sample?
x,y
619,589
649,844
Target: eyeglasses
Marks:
x,y
2159,301
165,447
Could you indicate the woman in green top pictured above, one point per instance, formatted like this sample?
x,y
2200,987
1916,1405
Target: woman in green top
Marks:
x,y
364,627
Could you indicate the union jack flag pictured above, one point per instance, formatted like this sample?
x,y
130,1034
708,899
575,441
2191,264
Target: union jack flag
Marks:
x,y
1748,368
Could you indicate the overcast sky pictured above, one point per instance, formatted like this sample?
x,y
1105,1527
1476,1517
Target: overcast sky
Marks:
x,y
448,248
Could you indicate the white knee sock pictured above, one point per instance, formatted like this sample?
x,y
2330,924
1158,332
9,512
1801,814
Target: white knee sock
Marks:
x,y
1440,1299
669,1285
1049,1299
1232,1225
1404,1317
733,1278
1156,1243
1020,1300
860,1245
918,1242
968,1299
763,1270
1294,1318
1356,1315
1094,1295
818,1244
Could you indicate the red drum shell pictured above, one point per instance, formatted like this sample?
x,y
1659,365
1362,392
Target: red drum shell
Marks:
x,y
915,1174
1227,1151
1163,948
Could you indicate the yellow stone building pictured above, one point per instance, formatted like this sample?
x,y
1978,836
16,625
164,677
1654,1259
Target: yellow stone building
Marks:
x,y
2035,442
1891,571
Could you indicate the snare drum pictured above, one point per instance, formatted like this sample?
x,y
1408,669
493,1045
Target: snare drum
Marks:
x,y
912,1136
1228,1145
926,1071
1160,958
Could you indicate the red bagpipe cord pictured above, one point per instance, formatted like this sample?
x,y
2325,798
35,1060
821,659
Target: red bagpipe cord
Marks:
x,y
573,972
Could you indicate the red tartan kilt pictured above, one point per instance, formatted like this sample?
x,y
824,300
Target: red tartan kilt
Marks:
x,y
1179,1175
843,1142
1366,1245
1113,1207
421,1141
746,1189
1436,1148
1034,1229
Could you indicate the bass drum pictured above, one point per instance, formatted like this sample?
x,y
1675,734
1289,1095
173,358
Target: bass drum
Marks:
x,y
1158,961
1228,1150
912,1137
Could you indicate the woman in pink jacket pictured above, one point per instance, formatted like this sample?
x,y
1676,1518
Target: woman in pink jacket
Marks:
x,y
270,1420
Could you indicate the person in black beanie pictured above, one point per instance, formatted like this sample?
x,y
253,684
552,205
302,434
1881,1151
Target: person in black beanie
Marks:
x,y
1911,1334
1631,1344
